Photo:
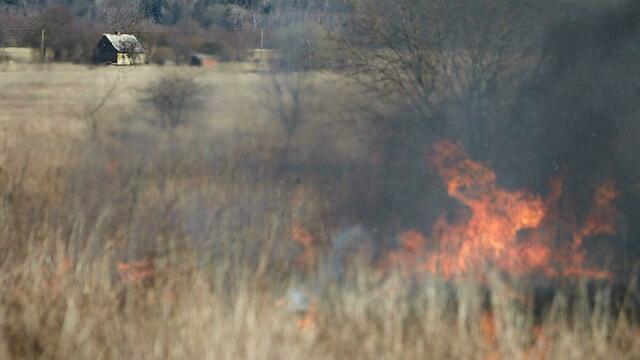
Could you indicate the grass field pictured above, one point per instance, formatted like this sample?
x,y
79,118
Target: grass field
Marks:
x,y
124,241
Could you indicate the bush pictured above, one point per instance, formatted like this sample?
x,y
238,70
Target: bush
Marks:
x,y
173,98
177,43
163,55
227,45
66,38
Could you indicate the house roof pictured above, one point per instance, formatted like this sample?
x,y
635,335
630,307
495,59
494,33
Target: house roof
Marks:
x,y
124,42
201,56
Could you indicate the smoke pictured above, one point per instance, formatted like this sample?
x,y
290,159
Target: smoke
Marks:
x,y
575,118
562,105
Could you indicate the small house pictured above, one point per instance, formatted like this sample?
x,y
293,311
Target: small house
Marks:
x,y
203,60
120,49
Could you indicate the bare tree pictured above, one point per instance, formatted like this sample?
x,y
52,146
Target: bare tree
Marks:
x,y
435,52
94,108
299,51
173,98
132,49
286,104
441,68
4,29
123,15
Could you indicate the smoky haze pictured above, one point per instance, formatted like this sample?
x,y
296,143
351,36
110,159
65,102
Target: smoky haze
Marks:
x,y
345,103
561,103
576,116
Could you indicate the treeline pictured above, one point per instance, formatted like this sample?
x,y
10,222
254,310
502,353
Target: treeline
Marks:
x,y
231,15
170,12
169,29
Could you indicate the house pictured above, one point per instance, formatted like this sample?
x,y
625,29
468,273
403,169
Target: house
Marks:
x,y
120,49
203,60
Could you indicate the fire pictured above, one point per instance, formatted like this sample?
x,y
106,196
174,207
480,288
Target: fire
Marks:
x,y
64,267
309,319
514,231
489,335
307,259
305,309
601,220
135,272
412,254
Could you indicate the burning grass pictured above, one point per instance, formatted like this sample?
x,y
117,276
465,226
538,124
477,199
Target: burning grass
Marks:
x,y
58,307
141,244
261,286
515,230
82,280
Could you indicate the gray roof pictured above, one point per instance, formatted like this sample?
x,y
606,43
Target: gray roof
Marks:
x,y
125,42
200,55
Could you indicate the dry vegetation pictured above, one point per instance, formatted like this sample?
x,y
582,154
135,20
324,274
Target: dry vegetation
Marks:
x,y
122,240
229,309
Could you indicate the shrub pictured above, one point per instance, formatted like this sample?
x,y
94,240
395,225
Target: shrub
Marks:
x,y
66,38
227,45
173,98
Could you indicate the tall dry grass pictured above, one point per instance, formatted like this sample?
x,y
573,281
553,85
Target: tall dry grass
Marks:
x,y
56,306
74,286
133,243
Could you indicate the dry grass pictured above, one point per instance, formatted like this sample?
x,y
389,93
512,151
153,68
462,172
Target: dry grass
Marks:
x,y
230,310
139,244
49,104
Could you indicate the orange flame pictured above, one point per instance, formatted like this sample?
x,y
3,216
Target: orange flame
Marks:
x,y
135,272
56,282
489,335
307,259
512,230
309,319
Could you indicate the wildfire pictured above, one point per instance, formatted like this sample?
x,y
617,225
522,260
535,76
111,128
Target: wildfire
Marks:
x,y
307,259
514,231
489,336
135,272
309,319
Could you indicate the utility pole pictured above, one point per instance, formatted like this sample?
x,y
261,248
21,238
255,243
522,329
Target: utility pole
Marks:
x,y
42,47
261,39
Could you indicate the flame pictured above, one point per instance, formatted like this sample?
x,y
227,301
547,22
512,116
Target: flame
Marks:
x,y
135,272
307,259
55,283
602,217
309,319
489,335
514,231
601,220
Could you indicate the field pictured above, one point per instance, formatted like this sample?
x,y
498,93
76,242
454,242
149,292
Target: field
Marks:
x,y
127,241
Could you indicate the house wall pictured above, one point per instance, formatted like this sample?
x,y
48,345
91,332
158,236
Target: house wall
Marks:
x,y
125,59
106,57
209,63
